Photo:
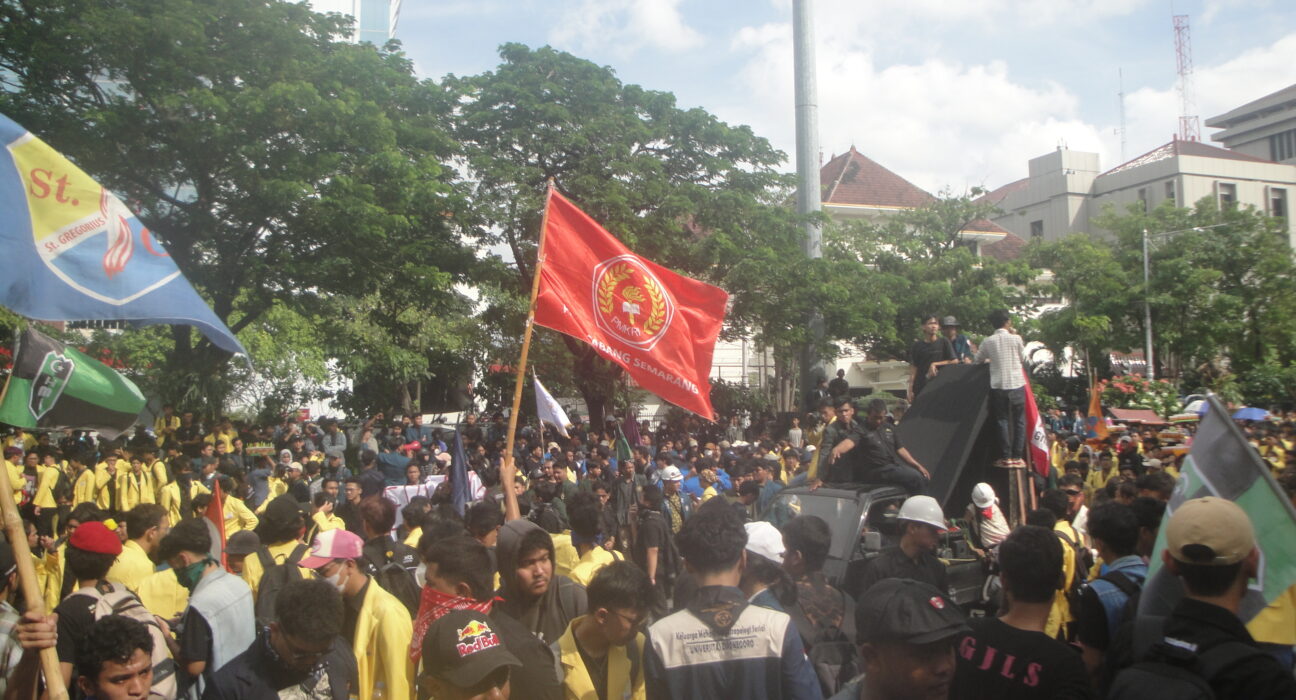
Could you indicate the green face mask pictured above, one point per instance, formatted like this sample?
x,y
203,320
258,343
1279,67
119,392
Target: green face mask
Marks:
x,y
192,574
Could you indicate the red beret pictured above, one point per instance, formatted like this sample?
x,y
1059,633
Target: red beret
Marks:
x,y
96,537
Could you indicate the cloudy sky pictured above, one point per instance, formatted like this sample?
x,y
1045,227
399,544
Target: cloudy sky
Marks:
x,y
948,93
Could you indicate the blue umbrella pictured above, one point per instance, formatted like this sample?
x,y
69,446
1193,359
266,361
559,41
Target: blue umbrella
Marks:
x,y
1250,413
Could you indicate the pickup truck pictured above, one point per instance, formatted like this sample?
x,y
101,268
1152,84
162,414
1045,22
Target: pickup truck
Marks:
x,y
862,519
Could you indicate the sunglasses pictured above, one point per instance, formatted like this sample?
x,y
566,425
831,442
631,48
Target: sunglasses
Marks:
x,y
1072,492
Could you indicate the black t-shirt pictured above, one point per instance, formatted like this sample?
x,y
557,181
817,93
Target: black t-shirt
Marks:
x,y
922,354
894,563
537,677
877,447
259,674
998,662
653,532
597,668
195,640
75,618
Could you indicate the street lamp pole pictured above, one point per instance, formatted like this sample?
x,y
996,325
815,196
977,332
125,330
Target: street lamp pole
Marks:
x,y
1147,313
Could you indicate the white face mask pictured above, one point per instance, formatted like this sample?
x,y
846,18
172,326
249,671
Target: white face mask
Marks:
x,y
336,579
420,574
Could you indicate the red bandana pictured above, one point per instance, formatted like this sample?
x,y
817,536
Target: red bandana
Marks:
x,y
432,605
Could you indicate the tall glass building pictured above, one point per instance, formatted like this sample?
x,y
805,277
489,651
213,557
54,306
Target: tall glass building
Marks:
x,y
375,20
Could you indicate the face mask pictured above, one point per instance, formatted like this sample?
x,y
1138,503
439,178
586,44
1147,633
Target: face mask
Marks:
x,y
336,579
190,575
420,573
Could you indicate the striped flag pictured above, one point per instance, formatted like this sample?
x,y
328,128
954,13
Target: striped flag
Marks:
x,y
56,386
1037,450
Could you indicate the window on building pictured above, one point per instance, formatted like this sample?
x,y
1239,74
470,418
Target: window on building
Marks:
x,y
1143,198
1277,202
1037,229
1227,192
1170,191
1282,145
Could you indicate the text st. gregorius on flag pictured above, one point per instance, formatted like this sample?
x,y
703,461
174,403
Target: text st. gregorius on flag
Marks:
x,y
658,325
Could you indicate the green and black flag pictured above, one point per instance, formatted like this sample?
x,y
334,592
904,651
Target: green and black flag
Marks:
x,y
56,386
1221,463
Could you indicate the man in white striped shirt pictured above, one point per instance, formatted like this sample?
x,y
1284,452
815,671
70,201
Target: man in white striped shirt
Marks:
x,y
1003,350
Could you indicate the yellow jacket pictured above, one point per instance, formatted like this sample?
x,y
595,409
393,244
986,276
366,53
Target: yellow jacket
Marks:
x,y
84,489
162,594
381,645
565,556
171,499
103,494
132,566
1097,480
411,540
575,678
160,478
278,487
46,478
15,479
161,424
1060,614
590,563
134,489
237,516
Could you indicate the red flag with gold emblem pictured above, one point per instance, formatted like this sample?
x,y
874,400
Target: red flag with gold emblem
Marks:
x,y
661,327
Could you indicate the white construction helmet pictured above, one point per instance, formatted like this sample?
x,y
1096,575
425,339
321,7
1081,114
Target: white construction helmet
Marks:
x,y
923,509
983,496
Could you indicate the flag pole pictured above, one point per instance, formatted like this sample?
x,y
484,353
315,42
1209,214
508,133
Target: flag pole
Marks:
x,y
508,470
35,600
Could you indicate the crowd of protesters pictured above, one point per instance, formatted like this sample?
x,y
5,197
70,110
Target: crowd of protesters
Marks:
x,y
642,563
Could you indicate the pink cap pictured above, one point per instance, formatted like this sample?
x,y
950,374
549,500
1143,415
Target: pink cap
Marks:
x,y
330,545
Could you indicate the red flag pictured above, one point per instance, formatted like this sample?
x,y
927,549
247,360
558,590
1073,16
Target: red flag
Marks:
x,y
658,325
1037,446
216,514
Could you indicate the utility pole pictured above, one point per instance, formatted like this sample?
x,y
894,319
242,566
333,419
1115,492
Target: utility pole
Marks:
x,y
1147,314
807,159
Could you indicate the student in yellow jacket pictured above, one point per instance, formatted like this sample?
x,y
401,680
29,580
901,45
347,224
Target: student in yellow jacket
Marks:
x,y
173,499
14,463
146,525
106,472
610,632
383,628
135,485
279,530
83,480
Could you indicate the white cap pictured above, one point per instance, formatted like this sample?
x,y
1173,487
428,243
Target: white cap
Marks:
x,y
671,473
983,496
765,539
295,466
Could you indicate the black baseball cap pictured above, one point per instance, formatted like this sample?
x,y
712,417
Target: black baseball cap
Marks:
x,y
462,647
906,611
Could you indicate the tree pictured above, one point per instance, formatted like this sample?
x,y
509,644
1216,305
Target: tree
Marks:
x,y
278,164
659,177
915,264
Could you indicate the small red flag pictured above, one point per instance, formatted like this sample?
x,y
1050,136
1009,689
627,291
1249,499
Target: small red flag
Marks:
x,y
216,514
660,327
1037,445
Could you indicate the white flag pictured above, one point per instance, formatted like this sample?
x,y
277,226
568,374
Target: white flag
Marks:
x,y
549,410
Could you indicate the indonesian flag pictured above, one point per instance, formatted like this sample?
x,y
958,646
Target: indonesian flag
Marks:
x,y
660,327
1037,447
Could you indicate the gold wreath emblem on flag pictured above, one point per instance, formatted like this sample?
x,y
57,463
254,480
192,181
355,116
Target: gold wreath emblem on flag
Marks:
x,y
631,302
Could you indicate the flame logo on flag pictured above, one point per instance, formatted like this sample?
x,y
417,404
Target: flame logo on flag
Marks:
x,y
121,241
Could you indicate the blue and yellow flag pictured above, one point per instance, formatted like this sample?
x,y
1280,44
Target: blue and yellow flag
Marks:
x,y
74,252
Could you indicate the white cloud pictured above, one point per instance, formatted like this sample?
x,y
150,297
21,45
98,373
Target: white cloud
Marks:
x,y
943,123
937,123
623,27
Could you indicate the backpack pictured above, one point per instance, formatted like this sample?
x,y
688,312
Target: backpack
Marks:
x,y
398,581
273,578
1169,670
1081,571
1132,590
832,653
115,599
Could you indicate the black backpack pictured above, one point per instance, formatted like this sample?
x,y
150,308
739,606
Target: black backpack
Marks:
x,y
832,653
396,580
1081,571
1172,671
273,578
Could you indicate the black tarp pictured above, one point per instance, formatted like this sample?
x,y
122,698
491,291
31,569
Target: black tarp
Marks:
x,y
950,430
